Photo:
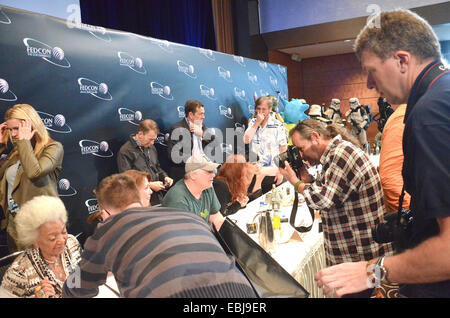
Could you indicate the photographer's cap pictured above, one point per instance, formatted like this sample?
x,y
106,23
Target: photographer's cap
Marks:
x,y
196,162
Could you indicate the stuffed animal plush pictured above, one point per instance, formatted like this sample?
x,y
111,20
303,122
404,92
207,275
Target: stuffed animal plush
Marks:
x,y
293,112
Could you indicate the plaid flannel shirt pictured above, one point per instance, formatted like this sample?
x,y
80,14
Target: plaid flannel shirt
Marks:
x,y
349,196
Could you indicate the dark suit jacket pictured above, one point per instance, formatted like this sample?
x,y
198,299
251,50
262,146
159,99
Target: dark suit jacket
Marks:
x,y
184,139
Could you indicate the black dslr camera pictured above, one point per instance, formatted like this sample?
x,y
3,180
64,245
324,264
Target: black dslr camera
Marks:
x,y
292,156
395,228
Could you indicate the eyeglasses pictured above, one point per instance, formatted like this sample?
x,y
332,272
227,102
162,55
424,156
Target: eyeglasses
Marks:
x,y
305,124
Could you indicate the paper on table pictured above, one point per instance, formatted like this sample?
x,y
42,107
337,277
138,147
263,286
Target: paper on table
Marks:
x,y
109,289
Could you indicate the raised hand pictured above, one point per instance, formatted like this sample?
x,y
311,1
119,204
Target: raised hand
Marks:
x,y
25,131
3,133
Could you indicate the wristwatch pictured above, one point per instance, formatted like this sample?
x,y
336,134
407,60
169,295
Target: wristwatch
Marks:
x,y
376,272
379,268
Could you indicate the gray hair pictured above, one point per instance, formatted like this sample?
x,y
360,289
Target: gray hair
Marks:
x,y
398,30
36,212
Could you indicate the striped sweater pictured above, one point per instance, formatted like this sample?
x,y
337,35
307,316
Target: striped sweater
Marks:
x,y
158,252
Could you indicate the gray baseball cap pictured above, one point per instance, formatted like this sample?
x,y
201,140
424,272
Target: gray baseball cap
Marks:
x,y
200,162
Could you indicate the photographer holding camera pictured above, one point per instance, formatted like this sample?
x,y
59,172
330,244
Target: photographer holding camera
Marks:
x,y
402,58
347,192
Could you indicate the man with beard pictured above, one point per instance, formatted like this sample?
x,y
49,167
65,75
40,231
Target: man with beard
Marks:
x,y
347,192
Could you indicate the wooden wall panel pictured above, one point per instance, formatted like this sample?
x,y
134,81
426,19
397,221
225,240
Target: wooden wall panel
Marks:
x,y
320,79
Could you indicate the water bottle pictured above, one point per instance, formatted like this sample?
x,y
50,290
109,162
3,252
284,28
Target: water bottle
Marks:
x,y
276,224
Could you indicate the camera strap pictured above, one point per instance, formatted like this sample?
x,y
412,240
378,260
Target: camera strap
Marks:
x,y
301,229
400,205
427,78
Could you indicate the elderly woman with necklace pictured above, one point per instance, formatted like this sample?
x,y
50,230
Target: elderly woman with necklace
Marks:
x,y
50,254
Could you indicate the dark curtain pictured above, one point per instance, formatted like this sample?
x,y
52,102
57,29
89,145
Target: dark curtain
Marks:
x,y
187,22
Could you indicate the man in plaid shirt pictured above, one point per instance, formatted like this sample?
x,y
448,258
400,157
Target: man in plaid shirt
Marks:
x,y
347,192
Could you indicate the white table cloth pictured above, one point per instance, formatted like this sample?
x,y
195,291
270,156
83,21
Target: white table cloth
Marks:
x,y
301,254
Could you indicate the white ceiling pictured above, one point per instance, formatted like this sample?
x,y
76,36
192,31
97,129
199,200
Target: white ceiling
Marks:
x,y
342,47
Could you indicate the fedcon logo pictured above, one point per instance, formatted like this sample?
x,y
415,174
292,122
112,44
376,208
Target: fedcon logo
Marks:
x,y
263,93
207,53
224,111
273,81
239,128
92,205
263,65
164,45
5,93
225,74
53,55
97,149
187,69
129,115
251,109
4,18
282,69
162,139
97,31
64,188
239,60
252,78
226,148
207,92
88,86
133,63
161,91
240,93
181,113
56,123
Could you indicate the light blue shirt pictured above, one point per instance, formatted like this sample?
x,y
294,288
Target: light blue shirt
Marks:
x,y
267,140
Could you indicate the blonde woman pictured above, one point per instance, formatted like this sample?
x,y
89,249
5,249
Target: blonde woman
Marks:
x,y
32,166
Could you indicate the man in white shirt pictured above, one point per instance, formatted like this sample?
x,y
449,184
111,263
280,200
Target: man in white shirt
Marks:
x,y
266,135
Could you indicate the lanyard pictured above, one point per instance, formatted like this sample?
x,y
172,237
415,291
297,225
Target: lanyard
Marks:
x,y
147,159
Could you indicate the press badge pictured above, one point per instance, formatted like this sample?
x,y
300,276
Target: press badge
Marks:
x,y
13,207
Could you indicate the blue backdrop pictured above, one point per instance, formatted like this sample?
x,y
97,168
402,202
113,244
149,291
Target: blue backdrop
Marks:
x,y
93,85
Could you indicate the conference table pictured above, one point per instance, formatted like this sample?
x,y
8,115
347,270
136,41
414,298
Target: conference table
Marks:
x,y
300,254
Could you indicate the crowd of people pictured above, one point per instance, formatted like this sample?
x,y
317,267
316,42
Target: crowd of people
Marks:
x,y
153,231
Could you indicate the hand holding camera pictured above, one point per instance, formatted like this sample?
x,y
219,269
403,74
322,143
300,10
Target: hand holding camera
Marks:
x,y
288,173
291,165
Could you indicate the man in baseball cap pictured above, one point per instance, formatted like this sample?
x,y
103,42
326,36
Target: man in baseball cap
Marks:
x,y
195,193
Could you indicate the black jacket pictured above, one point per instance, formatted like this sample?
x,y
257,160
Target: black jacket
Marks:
x,y
176,170
131,156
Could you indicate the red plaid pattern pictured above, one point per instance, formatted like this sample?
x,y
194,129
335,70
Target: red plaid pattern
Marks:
x,y
349,196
